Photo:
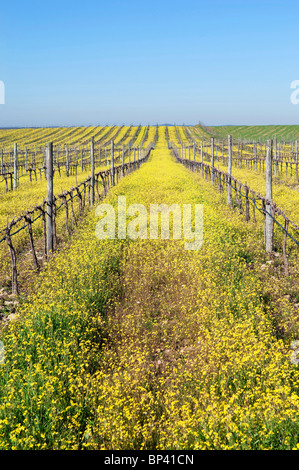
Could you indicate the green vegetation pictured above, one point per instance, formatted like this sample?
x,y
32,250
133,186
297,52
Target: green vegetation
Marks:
x,y
257,132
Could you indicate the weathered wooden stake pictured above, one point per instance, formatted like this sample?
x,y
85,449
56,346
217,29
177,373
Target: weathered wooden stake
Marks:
x,y
49,170
247,215
15,166
241,153
129,158
123,161
269,220
92,172
112,162
229,170
255,156
212,158
67,161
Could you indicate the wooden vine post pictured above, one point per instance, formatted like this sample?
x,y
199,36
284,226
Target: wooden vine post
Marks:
x,y
67,161
212,158
123,161
269,220
241,153
247,215
229,170
49,170
255,156
112,162
15,167
129,158
92,172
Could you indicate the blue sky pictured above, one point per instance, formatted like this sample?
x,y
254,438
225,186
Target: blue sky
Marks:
x,y
132,62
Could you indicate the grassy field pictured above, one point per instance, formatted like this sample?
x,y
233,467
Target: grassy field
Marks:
x,y
258,132
141,344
